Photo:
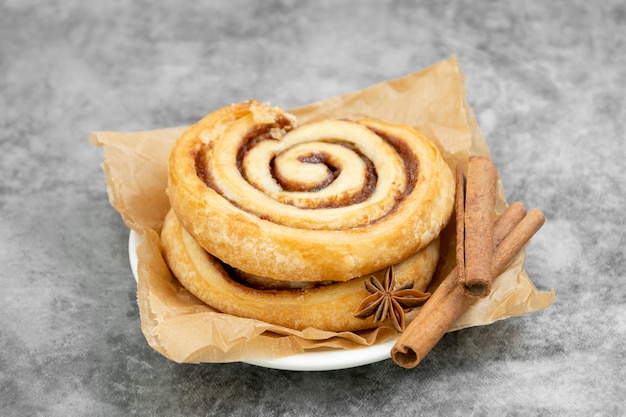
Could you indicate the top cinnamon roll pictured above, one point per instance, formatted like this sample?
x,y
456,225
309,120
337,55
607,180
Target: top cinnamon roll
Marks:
x,y
325,201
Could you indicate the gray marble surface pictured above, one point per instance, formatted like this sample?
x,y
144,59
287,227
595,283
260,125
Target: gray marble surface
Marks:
x,y
546,80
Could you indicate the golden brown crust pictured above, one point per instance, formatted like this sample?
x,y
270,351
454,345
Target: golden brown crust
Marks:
x,y
328,307
232,206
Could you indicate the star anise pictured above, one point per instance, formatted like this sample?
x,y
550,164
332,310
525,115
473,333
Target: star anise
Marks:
x,y
389,302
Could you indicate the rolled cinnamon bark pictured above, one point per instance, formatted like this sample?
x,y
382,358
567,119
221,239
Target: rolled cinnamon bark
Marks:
x,y
517,239
505,223
459,208
480,198
450,300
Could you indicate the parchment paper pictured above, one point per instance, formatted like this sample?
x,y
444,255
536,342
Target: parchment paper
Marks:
x,y
184,329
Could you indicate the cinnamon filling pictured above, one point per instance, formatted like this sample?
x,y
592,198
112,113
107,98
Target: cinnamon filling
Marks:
x,y
258,283
263,132
313,158
410,161
322,158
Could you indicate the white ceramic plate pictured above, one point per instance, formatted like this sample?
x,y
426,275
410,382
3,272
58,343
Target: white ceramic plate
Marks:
x,y
310,361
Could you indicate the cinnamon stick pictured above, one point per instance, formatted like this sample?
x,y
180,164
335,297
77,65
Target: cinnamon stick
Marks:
x,y
517,239
507,221
480,200
459,207
450,299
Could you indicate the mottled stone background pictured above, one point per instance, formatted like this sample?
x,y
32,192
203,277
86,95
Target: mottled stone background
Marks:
x,y
546,80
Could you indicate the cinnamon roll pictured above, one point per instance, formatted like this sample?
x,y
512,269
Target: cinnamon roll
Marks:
x,y
324,201
305,211
299,305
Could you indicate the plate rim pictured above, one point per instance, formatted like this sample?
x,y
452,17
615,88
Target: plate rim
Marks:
x,y
327,360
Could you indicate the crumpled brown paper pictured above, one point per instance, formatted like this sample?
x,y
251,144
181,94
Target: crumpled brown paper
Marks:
x,y
184,329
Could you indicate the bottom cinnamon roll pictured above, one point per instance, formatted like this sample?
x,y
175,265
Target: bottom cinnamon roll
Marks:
x,y
326,306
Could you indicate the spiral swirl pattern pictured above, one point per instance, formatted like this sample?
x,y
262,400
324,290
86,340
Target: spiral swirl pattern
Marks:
x,y
330,200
